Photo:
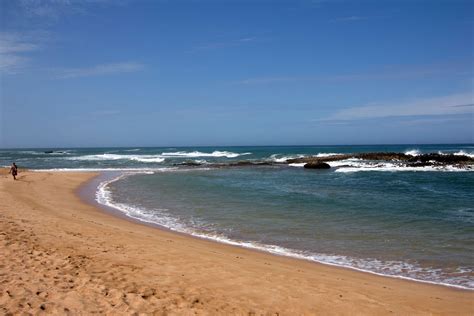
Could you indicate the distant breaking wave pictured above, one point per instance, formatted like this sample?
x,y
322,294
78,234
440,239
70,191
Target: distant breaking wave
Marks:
x,y
195,154
463,153
413,152
327,154
280,158
103,157
416,152
157,158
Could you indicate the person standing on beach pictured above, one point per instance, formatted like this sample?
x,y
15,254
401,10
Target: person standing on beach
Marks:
x,y
14,170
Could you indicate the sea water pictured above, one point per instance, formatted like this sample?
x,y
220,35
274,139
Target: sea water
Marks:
x,y
412,222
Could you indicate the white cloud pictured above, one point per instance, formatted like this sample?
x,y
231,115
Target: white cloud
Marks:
x,y
461,103
13,46
49,8
100,70
11,64
55,9
14,43
16,48
399,72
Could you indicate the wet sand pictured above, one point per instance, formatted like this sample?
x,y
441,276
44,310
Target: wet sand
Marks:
x,y
63,256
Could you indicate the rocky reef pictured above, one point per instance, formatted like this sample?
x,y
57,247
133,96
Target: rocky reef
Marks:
x,y
431,158
315,162
423,160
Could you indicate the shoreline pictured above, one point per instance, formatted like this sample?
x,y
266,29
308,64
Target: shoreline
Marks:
x,y
103,254
88,192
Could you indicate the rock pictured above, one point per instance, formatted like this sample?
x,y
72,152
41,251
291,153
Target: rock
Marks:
x,y
420,164
244,163
432,158
189,163
445,159
317,165
251,163
314,159
387,156
48,152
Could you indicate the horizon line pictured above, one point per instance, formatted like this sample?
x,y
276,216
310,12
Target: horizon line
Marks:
x,y
220,146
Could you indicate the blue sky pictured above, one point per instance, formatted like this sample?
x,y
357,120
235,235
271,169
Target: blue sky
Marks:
x,y
190,73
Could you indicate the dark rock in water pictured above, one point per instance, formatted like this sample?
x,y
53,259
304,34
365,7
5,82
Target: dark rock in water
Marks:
x,y
48,152
318,159
446,159
420,164
387,156
243,163
383,156
317,165
425,159
314,162
189,163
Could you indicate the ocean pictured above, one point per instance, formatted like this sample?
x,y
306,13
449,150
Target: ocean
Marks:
x,y
383,217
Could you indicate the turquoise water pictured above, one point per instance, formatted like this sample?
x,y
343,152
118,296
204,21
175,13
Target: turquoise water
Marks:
x,y
380,218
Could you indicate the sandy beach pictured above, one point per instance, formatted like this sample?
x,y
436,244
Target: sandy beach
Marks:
x,y
63,256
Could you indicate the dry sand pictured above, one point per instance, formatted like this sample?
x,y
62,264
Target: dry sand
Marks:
x,y
62,256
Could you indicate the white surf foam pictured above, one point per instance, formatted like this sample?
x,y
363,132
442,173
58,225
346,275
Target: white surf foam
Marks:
x,y
156,158
346,162
458,153
321,155
104,157
194,154
298,165
463,153
280,158
156,216
148,159
412,152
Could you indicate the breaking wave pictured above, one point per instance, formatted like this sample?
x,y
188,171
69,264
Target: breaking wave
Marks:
x,y
413,152
104,157
280,158
194,154
321,155
157,158
463,153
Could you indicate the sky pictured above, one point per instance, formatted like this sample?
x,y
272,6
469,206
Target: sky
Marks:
x,y
92,73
